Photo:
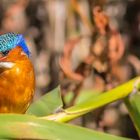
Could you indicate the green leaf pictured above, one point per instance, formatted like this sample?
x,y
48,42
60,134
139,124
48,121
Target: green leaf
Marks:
x,y
82,97
48,104
93,103
133,105
86,95
104,98
29,127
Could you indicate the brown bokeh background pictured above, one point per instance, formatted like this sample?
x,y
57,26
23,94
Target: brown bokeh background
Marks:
x,y
80,44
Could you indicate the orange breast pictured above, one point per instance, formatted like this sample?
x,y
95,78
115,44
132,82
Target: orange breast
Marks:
x,y
16,84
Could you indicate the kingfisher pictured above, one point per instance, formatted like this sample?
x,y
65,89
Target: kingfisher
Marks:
x,y
17,79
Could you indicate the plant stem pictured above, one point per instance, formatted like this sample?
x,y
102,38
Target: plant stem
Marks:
x,y
133,106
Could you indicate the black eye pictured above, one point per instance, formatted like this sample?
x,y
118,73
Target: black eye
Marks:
x,y
5,53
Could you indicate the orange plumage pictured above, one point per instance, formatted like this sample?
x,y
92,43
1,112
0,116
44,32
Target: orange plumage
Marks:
x,y
17,83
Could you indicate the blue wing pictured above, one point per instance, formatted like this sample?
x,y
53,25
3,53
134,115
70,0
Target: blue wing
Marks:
x,y
11,40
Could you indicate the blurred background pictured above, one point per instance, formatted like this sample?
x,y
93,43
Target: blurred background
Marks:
x,y
81,45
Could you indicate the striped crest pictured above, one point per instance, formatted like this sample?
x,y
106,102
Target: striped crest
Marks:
x,y
11,40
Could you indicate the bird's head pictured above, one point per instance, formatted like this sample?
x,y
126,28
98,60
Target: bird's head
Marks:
x,y
12,48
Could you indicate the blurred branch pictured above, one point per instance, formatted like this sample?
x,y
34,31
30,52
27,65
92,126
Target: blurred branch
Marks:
x,y
65,61
83,17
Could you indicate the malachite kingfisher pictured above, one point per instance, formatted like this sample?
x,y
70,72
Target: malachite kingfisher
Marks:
x,y
17,79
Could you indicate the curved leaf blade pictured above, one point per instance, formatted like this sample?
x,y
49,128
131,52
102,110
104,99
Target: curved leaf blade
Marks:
x,y
30,127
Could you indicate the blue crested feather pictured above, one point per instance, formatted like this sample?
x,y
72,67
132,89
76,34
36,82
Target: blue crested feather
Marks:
x,y
11,40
